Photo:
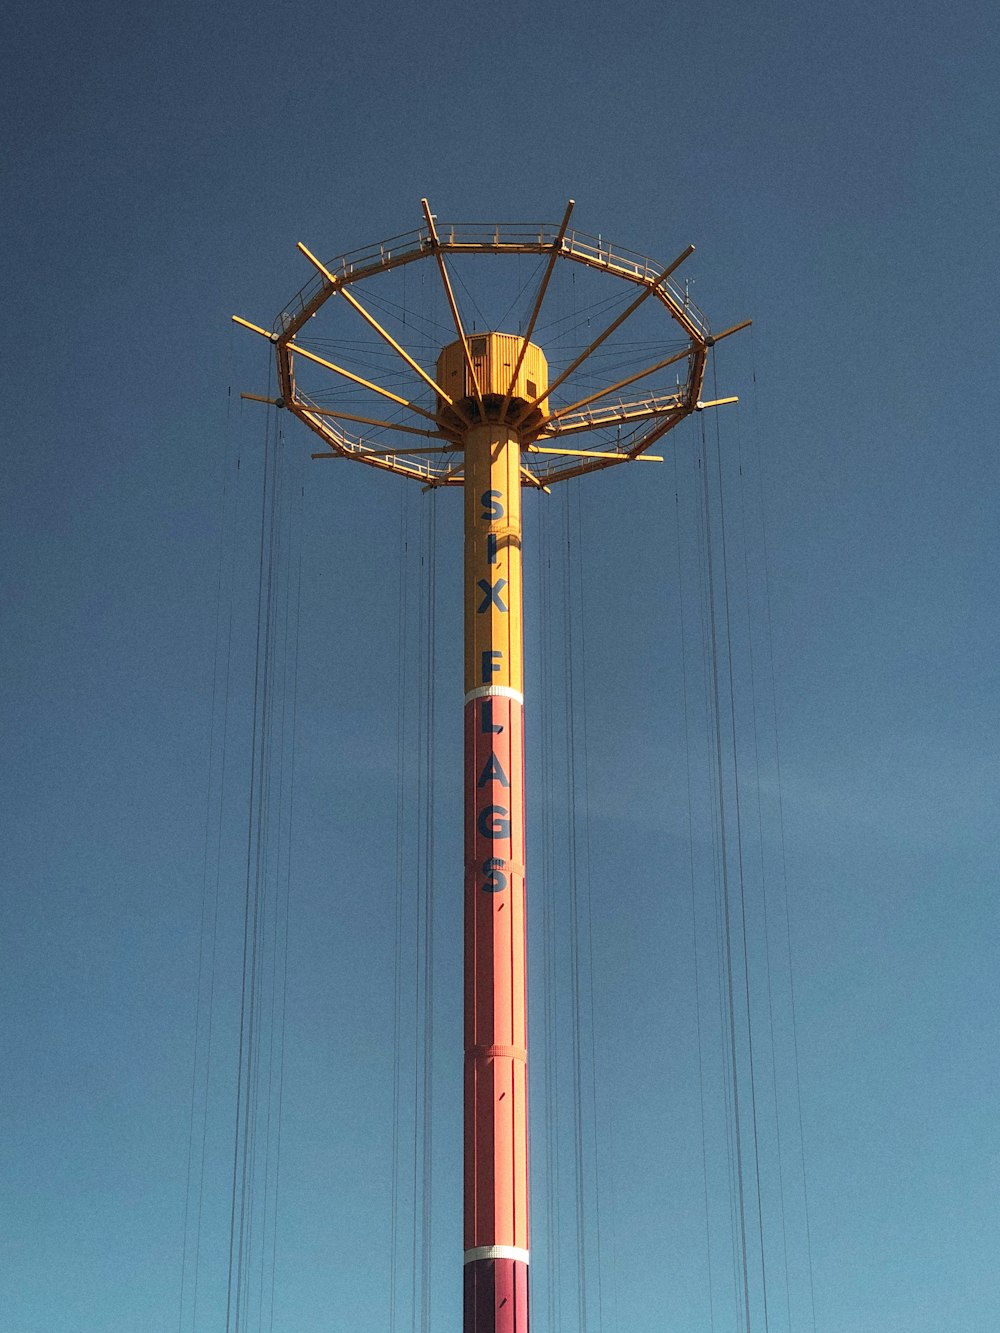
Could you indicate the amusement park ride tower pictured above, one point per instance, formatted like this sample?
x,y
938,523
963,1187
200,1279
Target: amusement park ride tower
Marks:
x,y
492,428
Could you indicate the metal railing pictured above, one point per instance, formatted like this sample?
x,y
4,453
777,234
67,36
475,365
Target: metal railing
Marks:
x,y
484,238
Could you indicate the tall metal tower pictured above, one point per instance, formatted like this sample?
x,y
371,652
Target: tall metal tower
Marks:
x,y
492,426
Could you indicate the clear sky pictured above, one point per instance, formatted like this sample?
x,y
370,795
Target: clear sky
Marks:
x,y
836,166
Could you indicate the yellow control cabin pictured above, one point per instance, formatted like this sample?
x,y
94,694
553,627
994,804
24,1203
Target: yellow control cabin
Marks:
x,y
493,356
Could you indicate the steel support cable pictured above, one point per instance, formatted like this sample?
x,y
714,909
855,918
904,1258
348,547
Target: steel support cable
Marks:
x,y
528,282
760,837
465,288
403,632
266,929
574,932
365,353
287,909
581,584
405,315
540,883
781,833
402,656
258,957
275,677
253,1045
233,1261
581,317
692,878
547,885
715,787
727,915
735,1106
236,1175
346,392
286,565
428,890
553,1036
617,354
235,527
204,930
415,1221
423,956
740,866
196,1044
730,1068
248,1028
279,970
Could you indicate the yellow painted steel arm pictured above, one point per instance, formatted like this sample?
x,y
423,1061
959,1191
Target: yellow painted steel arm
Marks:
x,y
714,402
255,328
382,333
456,317
358,379
387,453
409,465
450,476
596,453
615,324
658,427
528,476
367,421
306,406
613,388
737,328
619,414
556,248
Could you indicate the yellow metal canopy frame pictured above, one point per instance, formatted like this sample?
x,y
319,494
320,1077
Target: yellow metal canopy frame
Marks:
x,y
432,438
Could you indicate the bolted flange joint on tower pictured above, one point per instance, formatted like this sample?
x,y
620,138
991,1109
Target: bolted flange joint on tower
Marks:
x,y
493,428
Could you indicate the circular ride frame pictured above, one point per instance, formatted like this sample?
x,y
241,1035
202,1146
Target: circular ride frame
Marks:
x,y
496,437
540,434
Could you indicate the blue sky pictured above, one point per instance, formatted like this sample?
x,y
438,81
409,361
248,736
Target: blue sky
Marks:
x,y
837,168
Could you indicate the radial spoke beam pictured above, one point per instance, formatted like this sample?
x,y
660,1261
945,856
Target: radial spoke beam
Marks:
x,y
615,324
736,328
366,421
452,474
594,415
255,328
594,453
556,248
357,379
305,406
382,333
625,415
453,305
360,451
528,476
613,388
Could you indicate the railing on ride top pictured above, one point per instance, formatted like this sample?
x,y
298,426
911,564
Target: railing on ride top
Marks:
x,y
357,446
612,414
504,237
548,467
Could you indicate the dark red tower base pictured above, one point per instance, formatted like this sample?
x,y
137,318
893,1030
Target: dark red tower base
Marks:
x,y
496,1296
